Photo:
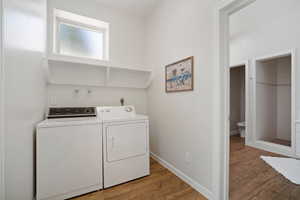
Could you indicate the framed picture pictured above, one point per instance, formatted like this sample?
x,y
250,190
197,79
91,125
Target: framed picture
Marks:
x,y
180,76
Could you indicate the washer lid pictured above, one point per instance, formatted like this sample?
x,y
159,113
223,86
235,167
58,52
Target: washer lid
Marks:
x,y
68,122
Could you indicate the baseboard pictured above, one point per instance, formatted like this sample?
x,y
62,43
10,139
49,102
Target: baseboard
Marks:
x,y
273,148
204,191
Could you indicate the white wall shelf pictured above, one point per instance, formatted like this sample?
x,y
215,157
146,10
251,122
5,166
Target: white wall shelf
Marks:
x,y
66,70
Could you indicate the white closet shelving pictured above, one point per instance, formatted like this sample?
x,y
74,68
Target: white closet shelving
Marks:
x,y
273,103
65,70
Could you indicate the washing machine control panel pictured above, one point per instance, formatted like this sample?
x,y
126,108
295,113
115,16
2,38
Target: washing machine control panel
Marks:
x,y
71,112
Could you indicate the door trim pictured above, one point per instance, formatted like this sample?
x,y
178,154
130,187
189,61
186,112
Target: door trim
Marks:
x,y
2,93
220,170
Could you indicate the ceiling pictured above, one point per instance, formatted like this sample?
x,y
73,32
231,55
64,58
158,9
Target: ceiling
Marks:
x,y
141,8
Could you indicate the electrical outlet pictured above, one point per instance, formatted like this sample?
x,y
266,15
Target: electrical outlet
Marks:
x,y
188,157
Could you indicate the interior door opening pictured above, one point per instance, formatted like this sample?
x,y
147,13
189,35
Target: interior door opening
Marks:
x,y
271,128
238,101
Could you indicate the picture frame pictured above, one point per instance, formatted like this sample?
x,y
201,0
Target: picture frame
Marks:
x,y
179,76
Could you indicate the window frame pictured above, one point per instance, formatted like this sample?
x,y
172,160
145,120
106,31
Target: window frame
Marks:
x,y
103,30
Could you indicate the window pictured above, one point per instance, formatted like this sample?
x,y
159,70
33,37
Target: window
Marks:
x,y
80,42
80,36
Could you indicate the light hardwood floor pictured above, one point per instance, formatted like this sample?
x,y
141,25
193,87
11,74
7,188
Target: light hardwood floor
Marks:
x,y
252,179
160,185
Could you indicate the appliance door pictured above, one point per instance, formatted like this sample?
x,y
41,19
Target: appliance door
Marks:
x,y
126,152
69,160
124,141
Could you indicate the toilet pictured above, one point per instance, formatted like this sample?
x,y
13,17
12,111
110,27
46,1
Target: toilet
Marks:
x,y
242,128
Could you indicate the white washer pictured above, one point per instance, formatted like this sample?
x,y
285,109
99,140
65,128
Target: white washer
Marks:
x,y
68,157
125,145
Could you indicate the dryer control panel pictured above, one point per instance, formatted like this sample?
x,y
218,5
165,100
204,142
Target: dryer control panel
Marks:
x,y
118,112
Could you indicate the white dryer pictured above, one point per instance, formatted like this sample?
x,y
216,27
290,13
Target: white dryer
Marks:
x,y
125,145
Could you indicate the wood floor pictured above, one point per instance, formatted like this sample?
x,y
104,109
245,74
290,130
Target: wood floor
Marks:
x,y
160,185
252,179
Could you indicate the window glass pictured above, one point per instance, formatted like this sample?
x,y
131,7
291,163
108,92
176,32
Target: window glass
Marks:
x,y
77,41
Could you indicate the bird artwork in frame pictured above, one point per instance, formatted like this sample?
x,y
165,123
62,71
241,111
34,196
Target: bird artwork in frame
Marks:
x,y
180,76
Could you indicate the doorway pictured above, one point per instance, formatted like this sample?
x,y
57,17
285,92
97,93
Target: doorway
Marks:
x,y
227,9
238,101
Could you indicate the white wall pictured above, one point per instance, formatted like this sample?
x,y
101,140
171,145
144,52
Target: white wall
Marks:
x,y
266,100
283,128
25,91
127,34
66,96
256,33
126,31
183,122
